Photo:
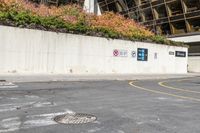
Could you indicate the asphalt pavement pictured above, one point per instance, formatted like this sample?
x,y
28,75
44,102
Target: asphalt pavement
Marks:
x,y
128,106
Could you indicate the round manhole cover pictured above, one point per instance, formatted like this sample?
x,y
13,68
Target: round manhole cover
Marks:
x,y
75,118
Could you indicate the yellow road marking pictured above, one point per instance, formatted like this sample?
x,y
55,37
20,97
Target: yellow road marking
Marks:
x,y
164,93
162,83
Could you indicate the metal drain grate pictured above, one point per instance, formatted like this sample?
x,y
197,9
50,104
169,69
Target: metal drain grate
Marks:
x,y
75,118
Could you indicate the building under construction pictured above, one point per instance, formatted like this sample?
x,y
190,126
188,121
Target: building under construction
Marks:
x,y
167,17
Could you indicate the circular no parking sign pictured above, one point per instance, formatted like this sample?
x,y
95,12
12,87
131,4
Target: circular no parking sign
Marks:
x,y
115,52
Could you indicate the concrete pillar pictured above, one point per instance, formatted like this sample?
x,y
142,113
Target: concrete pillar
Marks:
x,y
92,6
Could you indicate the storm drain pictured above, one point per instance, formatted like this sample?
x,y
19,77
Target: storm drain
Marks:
x,y
75,118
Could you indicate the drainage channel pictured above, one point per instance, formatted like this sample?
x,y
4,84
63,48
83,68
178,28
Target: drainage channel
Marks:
x,y
75,118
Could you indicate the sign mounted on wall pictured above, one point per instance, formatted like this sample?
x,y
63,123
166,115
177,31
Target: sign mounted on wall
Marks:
x,y
155,55
133,54
171,53
123,53
115,52
120,53
142,54
180,54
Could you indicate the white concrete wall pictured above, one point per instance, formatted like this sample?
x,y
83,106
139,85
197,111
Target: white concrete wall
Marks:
x,y
35,51
187,39
194,63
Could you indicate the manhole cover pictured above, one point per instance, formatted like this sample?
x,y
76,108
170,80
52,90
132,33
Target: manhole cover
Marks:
x,y
75,118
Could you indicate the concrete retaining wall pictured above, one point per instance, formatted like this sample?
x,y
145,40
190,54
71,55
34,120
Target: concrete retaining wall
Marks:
x,y
194,43
35,51
194,63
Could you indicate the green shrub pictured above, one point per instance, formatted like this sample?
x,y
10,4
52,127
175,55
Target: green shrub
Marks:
x,y
72,19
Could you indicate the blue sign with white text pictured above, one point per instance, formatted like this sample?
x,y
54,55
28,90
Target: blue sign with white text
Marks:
x,y
142,54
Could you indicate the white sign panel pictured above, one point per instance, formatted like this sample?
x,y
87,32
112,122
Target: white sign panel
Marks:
x,y
120,53
123,53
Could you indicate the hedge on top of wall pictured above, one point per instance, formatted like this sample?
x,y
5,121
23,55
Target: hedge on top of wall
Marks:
x,y
72,19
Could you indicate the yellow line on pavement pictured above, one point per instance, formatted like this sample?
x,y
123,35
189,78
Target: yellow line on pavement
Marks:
x,y
164,93
174,88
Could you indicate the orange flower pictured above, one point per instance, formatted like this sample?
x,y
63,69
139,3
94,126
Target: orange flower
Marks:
x,y
74,14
